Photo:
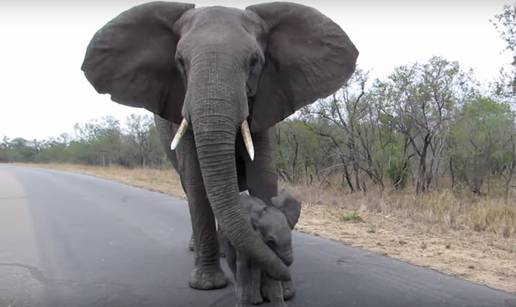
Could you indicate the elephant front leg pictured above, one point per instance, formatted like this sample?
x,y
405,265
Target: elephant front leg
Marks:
x,y
247,280
288,290
273,291
256,284
207,273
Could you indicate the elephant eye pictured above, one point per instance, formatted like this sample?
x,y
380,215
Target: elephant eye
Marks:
x,y
270,242
254,61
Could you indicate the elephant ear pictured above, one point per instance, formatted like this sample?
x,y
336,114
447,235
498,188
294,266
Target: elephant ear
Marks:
x,y
290,206
132,58
308,56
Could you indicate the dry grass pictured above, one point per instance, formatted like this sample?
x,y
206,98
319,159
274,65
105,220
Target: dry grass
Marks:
x,y
472,237
442,210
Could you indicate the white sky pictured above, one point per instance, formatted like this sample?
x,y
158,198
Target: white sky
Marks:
x,y
44,93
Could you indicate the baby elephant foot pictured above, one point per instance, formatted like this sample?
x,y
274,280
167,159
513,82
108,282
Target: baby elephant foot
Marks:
x,y
288,290
208,278
256,297
280,303
252,303
273,291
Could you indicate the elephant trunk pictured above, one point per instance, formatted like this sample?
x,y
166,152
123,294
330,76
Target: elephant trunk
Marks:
x,y
213,107
286,255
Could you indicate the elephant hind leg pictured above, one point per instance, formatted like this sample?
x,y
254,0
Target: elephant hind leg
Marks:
x,y
166,130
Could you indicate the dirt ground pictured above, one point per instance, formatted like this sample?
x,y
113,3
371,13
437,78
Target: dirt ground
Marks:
x,y
482,257
479,257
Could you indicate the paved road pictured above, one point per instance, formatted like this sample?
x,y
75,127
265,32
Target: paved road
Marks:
x,y
72,240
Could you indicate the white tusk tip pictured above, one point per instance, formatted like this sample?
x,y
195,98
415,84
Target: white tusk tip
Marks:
x,y
248,140
179,134
173,145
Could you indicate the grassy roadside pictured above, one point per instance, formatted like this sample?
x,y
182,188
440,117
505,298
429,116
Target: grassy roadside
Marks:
x,y
473,239
394,225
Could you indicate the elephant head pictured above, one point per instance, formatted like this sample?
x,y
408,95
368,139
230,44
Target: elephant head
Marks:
x,y
218,69
274,223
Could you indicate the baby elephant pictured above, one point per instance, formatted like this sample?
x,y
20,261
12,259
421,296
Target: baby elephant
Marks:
x,y
274,224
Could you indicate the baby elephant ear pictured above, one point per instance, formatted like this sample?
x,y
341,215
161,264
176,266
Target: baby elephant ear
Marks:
x,y
132,58
290,206
308,56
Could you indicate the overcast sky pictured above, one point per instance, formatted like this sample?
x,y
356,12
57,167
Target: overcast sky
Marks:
x,y
44,93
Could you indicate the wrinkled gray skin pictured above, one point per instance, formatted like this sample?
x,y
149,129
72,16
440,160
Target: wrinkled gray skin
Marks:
x,y
273,224
216,67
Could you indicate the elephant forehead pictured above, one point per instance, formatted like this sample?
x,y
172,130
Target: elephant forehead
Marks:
x,y
275,221
219,11
216,15
231,19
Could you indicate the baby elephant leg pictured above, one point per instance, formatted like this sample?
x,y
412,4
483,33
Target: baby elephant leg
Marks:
x,y
288,290
247,282
273,291
256,276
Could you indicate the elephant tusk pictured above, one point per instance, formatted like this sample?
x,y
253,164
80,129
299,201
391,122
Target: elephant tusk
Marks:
x,y
248,140
179,134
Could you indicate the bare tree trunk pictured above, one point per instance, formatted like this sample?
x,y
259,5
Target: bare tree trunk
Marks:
x,y
294,161
424,179
357,177
452,173
346,176
510,170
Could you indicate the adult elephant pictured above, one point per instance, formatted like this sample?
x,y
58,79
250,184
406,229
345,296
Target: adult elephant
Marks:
x,y
215,72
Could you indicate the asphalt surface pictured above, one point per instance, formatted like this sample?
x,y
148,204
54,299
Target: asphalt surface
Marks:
x,y
72,240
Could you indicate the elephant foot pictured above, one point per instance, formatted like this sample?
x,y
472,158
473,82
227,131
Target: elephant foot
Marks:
x,y
208,278
288,290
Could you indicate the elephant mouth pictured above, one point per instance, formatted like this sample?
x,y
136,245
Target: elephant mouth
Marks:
x,y
287,259
285,254
244,129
